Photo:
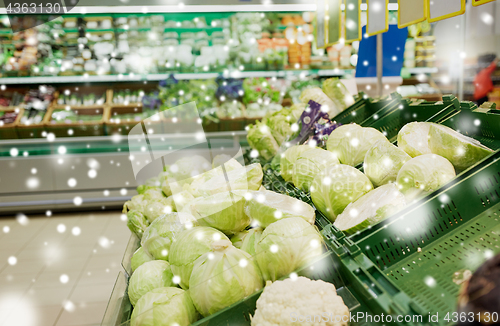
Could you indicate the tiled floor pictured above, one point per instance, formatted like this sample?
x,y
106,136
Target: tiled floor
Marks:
x,y
59,270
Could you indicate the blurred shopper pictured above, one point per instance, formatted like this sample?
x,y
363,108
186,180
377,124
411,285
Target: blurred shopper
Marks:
x,y
483,84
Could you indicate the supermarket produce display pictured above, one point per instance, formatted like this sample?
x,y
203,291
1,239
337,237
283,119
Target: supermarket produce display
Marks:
x,y
149,43
244,222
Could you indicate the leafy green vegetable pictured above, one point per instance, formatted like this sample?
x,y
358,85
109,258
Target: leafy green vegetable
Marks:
x,y
309,164
316,94
383,162
222,277
338,93
158,207
424,174
190,245
413,138
245,178
260,138
266,207
160,235
149,276
139,257
351,142
337,187
136,203
250,241
288,159
287,245
164,306
371,208
223,211
137,223
460,150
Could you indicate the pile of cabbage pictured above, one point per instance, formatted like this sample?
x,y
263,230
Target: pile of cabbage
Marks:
x,y
267,136
211,235
426,157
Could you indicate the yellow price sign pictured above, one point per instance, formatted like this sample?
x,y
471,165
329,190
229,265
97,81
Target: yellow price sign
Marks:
x,y
476,3
378,17
352,20
442,9
334,21
411,12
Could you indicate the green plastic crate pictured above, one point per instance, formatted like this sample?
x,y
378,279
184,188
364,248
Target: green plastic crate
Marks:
x,y
421,249
405,112
364,107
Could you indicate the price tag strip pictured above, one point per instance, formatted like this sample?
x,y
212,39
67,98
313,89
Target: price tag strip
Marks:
x,y
378,17
442,9
411,12
352,21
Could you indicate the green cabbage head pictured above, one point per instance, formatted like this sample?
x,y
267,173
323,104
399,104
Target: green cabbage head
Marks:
x,y
152,194
190,245
371,208
250,241
137,223
139,257
149,276
462,151
227,161
351,142
223,276
157,207
136,203
160,235
164,306
383,162
338,93
188,167
260,138
316,94
287,245
424,174
310,164
223,211
266,207
288,159
413,138
339,186
245,178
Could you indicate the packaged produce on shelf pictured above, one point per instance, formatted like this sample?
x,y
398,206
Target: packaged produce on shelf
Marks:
x,y
11,99
8,117
71,116
156,43
81,100
128,96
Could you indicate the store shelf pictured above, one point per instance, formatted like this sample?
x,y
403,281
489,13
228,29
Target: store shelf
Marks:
x,y
178,76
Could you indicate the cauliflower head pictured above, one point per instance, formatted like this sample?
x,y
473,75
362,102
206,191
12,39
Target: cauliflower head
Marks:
x,y
283,303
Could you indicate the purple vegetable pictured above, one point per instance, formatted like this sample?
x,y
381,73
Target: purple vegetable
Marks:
x,y
310,118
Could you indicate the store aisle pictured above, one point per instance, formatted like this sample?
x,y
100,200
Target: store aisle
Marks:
x,y
59,270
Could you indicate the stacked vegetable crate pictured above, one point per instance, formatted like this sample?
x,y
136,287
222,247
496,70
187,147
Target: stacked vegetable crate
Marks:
x,y
34,130
416,259
8,131
93,127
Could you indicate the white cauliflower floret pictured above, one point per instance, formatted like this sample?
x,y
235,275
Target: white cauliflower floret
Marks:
x,y
300,300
